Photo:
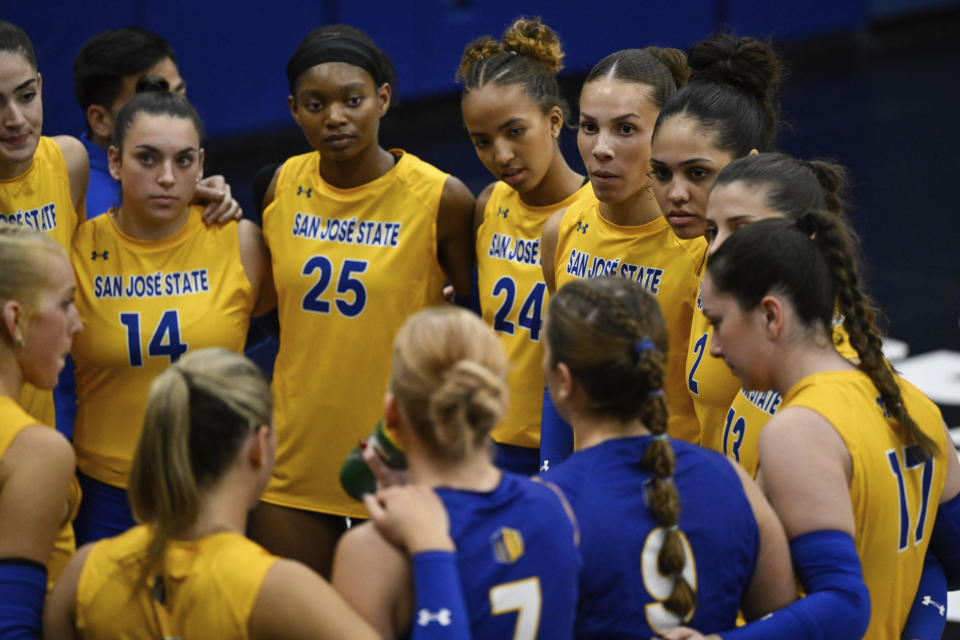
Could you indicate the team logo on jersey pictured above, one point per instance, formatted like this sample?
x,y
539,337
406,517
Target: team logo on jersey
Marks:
x,y
94,255
930,602
582,227
301,190
507,545
545,466
426,617
502,212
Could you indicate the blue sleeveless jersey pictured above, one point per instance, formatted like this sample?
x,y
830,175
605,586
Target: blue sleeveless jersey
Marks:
x,y
518,560
621,591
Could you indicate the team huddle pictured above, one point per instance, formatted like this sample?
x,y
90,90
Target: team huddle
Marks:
x,y
649,401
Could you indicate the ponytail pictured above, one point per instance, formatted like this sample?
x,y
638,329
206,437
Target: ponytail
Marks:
x,y
199,412
839,246
611,335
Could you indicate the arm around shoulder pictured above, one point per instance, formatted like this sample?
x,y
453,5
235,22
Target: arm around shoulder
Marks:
x,y
455,234
78,167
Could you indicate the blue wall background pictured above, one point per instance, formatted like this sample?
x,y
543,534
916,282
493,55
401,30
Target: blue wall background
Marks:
x,y
233,55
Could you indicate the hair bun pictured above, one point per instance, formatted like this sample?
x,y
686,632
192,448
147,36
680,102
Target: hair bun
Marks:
x,y
675,60
147,84
530,37
747,63
470,396
479,49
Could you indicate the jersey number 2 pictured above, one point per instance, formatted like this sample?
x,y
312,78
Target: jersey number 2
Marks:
x,y
165,341
698,348
912,457
524,597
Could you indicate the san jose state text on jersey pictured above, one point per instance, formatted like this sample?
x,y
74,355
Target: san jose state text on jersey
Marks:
x,y
347,231
152,285
580,266
43,219
511,249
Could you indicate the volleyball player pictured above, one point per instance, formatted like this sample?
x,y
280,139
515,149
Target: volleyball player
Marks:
x,y
38,493
514,112
361,238
203,458
670,532
43,180
727,110
516,540
622,230
856,461
153,283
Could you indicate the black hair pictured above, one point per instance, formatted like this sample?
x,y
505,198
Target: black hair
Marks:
x,y
731,93
15,40
154,97
341,43
109,57
812,262
529,54
664,70
793,187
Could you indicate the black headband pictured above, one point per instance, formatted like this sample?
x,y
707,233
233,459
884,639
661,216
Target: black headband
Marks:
x,y
330,45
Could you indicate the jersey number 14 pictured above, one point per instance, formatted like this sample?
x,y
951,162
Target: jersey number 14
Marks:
x,y
165,341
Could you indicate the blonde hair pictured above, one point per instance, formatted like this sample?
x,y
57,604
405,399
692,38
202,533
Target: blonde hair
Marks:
x,y
199,413
450,379
20,261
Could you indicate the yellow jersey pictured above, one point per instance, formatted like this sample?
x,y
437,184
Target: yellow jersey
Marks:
x,y
750,411
588,245
143,305
40,199
13,420
350,265
710,383
203,588
513,297
894,490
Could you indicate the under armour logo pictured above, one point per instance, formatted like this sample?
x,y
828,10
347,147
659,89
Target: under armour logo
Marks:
x,y
582,228
441,617
545,465
94,255
300,191
502,212
928,601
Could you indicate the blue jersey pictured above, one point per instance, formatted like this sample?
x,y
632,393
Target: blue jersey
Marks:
x,y
621,590
518,559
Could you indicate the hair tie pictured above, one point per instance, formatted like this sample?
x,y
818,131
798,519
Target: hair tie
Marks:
x,y
672,527
512,52
643,345
660,436
656,393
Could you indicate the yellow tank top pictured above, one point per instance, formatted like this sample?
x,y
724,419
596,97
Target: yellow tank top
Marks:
x,y
513,297
893,490
13,420
710,383
588,246
40,199
750,411
143,305
204,588
350,266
